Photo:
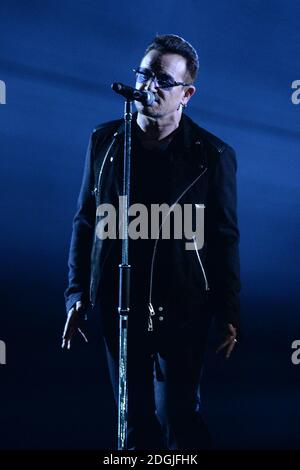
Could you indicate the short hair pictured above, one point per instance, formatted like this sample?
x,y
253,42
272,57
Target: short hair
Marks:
x,y
171,43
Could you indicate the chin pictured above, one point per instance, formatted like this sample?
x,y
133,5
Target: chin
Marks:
x,y
151,111
146,109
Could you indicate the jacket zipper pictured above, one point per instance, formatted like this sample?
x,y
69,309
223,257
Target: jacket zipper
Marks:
x,y
150,306
97,190
151,314
201,265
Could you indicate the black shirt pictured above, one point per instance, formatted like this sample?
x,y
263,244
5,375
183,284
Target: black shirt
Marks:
x,y
151,177
150,184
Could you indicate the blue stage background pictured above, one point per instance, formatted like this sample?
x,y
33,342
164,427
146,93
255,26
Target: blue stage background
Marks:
x,y
58,60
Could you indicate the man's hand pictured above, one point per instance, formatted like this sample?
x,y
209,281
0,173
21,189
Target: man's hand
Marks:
x,y
72,324
230,340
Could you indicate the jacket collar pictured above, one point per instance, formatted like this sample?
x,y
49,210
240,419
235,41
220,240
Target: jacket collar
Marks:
x,y
187,143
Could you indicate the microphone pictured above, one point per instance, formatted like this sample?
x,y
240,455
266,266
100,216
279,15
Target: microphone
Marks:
x,y
147,98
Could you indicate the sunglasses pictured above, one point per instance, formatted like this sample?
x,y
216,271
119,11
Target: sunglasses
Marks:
x,y
160,80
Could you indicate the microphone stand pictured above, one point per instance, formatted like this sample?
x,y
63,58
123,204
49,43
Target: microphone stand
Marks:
x,y
124,285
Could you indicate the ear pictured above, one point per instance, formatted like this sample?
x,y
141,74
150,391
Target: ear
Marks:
x,y
188,94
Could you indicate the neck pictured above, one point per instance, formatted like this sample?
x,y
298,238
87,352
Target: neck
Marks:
x,y
156,128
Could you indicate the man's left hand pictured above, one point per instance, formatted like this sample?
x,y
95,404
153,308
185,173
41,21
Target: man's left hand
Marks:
x,y
230,340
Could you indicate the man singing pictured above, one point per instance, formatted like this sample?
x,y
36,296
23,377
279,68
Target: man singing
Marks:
x,y
175,291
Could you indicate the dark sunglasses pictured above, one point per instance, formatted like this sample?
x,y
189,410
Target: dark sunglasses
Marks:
x,y
161,81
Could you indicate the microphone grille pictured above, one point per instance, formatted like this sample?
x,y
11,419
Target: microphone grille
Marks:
x,y
116,86
150,98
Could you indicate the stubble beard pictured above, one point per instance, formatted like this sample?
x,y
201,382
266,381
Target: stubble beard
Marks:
x,y
154,111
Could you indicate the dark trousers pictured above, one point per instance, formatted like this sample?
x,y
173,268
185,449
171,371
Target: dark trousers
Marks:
x,y
164,372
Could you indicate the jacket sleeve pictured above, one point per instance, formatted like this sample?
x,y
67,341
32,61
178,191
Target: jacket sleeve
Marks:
x,y
223,240
82,236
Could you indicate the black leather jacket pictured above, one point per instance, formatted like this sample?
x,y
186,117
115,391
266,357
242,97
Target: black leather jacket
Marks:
x,y
205,173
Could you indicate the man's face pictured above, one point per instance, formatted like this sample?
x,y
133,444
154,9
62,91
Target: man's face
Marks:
x,y
167,100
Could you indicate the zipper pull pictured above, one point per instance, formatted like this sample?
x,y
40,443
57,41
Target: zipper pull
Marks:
x,y
151,314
